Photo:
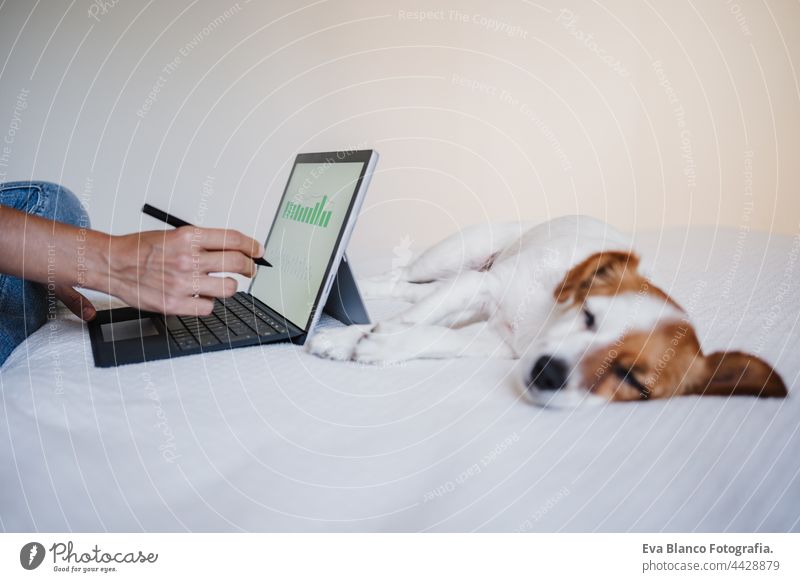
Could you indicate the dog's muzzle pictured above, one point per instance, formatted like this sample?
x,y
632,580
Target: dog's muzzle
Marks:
x,y
548,373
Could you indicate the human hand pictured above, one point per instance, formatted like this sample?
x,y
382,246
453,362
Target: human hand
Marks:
x,y
75,302
169,271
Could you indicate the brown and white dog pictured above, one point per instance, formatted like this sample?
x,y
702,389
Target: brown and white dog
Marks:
x,y
566,298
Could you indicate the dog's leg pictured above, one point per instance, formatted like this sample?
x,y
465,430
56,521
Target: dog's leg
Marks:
x,y
386,288
454,301
389,343
470,249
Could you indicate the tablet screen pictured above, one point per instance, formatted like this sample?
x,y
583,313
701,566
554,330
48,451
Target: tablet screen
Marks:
x,y
302,240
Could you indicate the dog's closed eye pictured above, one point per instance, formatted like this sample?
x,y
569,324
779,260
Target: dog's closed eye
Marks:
x,y
588,318
627,376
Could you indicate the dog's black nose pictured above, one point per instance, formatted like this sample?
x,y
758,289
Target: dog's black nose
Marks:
x,y
548,373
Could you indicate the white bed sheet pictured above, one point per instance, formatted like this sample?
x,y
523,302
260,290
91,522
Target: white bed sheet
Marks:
x,y
272,439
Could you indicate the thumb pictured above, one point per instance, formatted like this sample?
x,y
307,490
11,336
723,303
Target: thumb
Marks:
x,y
76,303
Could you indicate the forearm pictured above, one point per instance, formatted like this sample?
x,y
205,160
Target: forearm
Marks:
x,y
166,271
51,252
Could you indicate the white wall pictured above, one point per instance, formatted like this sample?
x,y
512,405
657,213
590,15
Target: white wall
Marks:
x,y
482,111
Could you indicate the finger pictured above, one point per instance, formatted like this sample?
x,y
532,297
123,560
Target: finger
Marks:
x,y
221,239
209,286
227,262
200,305
76,303
188,306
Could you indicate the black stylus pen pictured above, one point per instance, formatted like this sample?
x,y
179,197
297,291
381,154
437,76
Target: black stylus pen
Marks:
x,y
177,223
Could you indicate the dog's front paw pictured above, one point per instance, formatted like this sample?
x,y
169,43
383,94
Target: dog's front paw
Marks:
x,y
387,344
338,343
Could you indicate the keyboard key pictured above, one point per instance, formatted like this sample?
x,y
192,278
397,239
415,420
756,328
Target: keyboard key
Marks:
x,y
232,320
264,330
225,337
185,343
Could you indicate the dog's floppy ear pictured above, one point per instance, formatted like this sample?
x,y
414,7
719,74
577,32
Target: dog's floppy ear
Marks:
x,y
604,273
739,374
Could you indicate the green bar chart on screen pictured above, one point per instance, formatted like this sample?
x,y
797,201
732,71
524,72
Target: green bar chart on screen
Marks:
x,y
315,215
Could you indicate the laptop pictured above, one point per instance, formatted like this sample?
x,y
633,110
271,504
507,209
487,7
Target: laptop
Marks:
x,y
310,273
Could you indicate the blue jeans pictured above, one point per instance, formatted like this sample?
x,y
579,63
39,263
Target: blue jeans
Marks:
x,y
24,305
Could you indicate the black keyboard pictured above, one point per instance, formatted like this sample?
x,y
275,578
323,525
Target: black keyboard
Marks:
x,y
233,319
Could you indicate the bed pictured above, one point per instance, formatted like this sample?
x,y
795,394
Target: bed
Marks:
x,y
272,439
